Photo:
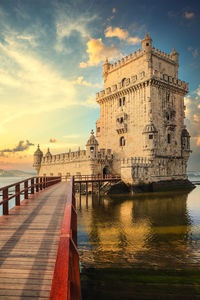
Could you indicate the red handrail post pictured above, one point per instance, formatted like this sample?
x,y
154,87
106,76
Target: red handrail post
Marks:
x,y
37,184
75,289
5,205
26,189
17,192
43,182
32,185
74,226
40,183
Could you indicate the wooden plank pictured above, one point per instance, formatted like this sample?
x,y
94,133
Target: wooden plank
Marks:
x,y
29,239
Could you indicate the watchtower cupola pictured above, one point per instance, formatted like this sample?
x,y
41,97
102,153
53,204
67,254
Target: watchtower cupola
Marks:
x,y
147,43
106,67
92,146
150,138
48,155
38,154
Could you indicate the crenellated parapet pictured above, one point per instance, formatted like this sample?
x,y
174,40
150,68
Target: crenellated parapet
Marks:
x,y
138,161
140,79
65,157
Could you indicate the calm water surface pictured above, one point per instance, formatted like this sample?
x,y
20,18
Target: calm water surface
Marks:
x,y
158,230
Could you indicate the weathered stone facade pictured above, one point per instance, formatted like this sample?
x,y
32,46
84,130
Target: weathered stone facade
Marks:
x,y
141,133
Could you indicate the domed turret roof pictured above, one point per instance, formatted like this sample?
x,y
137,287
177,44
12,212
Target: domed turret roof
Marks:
x,y
38,152
173,52
147,37
48,154
92,140
185,132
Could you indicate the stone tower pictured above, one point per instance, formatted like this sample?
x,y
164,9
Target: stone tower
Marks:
x,y
142,116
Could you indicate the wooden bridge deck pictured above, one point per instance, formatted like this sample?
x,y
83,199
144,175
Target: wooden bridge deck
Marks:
x,y
29,238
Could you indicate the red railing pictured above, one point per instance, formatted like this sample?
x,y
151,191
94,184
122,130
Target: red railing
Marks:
x,y
66,279
33,184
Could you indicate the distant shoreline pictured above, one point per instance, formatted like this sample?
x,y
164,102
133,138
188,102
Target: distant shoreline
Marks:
x,y
16,173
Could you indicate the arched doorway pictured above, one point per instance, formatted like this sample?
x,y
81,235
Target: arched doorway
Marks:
x,y
105,171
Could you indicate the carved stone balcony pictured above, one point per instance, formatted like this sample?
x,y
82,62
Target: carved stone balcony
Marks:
x,y
121,127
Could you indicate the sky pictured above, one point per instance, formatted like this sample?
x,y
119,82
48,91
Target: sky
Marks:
x,y
51,56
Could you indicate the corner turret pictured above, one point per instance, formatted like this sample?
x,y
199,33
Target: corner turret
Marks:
x,y
92,146
147,44
106,68
48,155
38,154
150,138
174,56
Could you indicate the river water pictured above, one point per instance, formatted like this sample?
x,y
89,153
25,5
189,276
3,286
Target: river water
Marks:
x,y
121,237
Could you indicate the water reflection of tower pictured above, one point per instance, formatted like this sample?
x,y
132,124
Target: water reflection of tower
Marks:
x,y
167,209
149,229
170,236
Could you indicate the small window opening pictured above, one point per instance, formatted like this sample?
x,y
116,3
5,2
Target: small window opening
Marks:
x,y
121,120
167,97
168,117
168,138
120,102
123,100
147,44
91,149
98,129
151,136
122,141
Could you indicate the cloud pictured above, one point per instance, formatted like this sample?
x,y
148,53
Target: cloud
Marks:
x,y
21,146
121,34
116,32
196,118
98,51
80,81
194,52
189,15
29,38
193,114
91,102
37,86
112,16
134,40
69,19
52,140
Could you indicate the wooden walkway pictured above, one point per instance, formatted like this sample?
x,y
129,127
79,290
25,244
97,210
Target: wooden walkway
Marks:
x,y
29,238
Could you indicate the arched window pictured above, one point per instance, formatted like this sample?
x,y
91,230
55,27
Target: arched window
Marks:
x,y
120,102
124,100
91,149
167,115
168,138
123,81
122,141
